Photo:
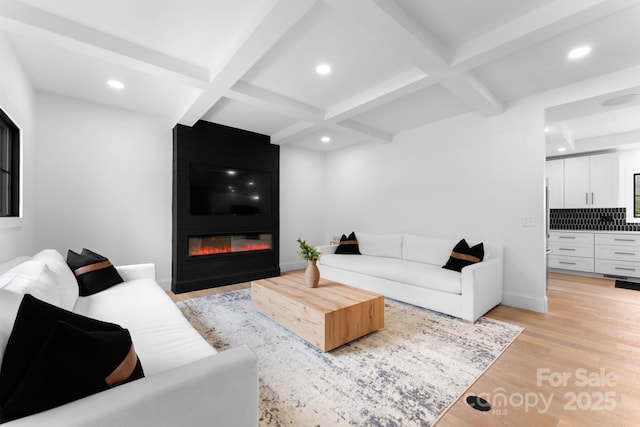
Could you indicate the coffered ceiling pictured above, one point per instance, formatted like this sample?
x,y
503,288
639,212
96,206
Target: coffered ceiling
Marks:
x,y
395,65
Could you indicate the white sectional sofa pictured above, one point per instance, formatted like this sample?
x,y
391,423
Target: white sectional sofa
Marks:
x,y
186,382
409,268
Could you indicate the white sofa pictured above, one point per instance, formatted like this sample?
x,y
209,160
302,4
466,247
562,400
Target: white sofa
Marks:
x,y
186,382
408,268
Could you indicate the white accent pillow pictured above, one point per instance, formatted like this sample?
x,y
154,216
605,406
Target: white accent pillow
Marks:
x,y
9,304
32,277
384,245
67,284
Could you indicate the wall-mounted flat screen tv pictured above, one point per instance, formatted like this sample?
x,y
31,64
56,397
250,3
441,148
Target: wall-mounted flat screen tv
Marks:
x,y
215,190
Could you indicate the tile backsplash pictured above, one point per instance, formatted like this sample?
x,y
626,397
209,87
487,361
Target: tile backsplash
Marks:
x,y
611,219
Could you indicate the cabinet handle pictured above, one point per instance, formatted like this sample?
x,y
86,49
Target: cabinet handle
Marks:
x,y
624,240
624,253
586,198
592,198
568,263
566,249
625,269
566,237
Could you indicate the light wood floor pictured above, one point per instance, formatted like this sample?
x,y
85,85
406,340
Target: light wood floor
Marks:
x,y
590,337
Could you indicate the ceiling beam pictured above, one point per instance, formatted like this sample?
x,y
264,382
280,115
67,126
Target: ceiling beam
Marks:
x,y
390,90
393,26
302,129
541,24
312,119
37,24
262,37
609,141
361,129
293,131
262,98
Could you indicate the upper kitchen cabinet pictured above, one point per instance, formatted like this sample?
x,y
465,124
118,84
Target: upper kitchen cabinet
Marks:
x,y
577,182
555,183
591,181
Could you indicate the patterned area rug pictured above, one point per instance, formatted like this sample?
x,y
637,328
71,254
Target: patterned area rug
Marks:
x,y
406,374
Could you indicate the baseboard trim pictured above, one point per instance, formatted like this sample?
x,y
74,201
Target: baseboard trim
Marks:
x,y
525,302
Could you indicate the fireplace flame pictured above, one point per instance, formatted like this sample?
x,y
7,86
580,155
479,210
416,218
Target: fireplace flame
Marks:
x,y
227,249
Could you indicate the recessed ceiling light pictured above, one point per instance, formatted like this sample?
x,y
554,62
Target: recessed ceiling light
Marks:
x,y
116,84
546,129
325,139
579,52
619,100
561,149
323,69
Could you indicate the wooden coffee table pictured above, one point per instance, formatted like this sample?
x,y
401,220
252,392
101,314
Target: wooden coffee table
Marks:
x,y
327,316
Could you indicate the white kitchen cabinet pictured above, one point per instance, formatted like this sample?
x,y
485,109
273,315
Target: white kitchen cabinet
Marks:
x,y
576,182
591,181
555,181
604,180
617,254
611,254
571,251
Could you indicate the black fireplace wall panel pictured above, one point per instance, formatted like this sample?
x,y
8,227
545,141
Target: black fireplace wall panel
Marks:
x,y
221,147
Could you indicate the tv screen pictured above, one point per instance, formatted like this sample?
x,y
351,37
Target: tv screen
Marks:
x,y
215,190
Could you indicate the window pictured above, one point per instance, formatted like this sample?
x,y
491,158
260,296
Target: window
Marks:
x,y
9,167
636,195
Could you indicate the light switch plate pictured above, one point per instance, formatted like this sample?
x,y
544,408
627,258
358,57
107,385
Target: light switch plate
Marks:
x,y
528,221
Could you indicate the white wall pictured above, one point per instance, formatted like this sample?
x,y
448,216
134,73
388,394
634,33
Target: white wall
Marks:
x,y
468,177
104,182
17,101
302,201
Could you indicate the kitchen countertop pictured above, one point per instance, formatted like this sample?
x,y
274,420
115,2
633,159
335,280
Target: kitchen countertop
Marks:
x,y
597,231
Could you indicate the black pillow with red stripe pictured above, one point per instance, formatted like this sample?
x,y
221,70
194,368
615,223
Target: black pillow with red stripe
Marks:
x,y
93,272
55,356
462,255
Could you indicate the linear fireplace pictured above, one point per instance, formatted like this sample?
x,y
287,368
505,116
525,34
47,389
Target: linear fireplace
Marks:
x,y
225,207
229,244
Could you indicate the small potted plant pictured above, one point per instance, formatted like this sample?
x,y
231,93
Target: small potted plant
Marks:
x,y
311,255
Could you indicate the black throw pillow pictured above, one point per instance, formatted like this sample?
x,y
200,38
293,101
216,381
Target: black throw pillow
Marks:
x,y
462,255
54,356
348,245
93,272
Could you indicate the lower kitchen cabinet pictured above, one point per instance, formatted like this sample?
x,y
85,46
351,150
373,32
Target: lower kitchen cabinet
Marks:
x,y
571,251
617,254
611,254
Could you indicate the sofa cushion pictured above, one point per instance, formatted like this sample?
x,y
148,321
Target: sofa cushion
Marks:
x,y
8,265
428,250
348,245
462,255
164,339
55,356
399,270
381,245
93,272
67,284
33,277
